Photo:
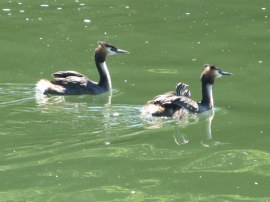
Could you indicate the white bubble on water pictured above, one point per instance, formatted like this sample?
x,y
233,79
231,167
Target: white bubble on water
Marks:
x,y
6,9
87,20
116,114
44,5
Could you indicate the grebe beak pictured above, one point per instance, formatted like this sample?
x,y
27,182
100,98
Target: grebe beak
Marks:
x,y
121,51
225,73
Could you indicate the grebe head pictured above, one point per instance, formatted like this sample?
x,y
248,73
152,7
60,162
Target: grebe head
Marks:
x,y
211,72
108,49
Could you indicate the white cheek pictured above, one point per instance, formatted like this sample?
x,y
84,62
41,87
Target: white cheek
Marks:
x,y
217,74
110,52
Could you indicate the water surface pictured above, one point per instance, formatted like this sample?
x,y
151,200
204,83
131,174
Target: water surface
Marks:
x,y
80,148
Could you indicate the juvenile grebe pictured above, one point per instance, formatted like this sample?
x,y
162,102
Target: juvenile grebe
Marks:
x,y
72,82
178,105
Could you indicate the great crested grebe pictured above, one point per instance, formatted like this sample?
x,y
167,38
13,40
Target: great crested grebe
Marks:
x,y
171,104
74,83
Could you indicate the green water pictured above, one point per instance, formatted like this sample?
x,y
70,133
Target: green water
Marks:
x,y
78,148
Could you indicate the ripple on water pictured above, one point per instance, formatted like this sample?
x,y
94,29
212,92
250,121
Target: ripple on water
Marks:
x,y
15,94
231,161
163,71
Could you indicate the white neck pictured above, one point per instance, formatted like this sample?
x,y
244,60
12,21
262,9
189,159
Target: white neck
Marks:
x,y
105,70
210,94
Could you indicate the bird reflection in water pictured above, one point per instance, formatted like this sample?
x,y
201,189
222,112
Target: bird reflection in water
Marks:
x,y
180,136
207,141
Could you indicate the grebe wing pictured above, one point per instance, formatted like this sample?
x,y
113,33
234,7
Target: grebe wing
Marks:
x,y
71,81
65,74
183,102
159,99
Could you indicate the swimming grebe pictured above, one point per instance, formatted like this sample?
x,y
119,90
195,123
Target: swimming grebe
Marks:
x,y
157,106
172,105
72,82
